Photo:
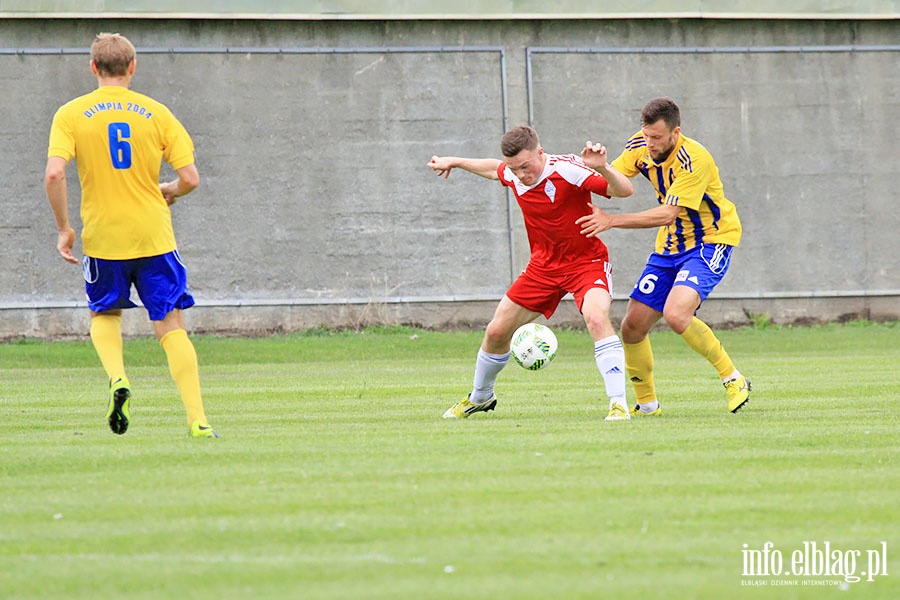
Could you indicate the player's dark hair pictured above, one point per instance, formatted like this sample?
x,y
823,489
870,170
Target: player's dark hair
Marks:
x,y
112,53
661,108
517,139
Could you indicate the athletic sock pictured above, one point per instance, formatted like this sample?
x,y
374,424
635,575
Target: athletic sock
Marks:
x,y
639,366
701,338
106,335
734,375
610,359
487,367
648,407
185,371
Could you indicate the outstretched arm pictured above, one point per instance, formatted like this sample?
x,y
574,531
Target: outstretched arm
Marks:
x,y
483,167
599,221
595,156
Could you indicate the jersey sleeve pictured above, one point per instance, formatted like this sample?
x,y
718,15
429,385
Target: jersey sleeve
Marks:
x,y
502,169
62,136
573,170
625,165
597,184
178,146
627,162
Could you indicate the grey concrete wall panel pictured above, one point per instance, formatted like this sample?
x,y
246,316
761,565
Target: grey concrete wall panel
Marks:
x,y
452,9
325,163
795,133
316,207
309,170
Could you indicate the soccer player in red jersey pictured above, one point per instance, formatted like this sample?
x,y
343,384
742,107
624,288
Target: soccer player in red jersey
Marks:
x,y
553,191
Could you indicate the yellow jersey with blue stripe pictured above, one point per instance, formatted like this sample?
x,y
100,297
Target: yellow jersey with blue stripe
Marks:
x,y
687,178
119,139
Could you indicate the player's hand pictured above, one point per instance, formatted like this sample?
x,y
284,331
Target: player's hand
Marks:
x,y
168,191
594,155
595,223
441,165
64,243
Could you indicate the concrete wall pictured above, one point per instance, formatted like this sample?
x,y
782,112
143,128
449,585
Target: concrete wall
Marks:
x,y
316,10
316,207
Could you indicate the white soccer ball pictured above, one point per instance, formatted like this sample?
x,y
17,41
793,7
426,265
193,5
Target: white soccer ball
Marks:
x,y
533,346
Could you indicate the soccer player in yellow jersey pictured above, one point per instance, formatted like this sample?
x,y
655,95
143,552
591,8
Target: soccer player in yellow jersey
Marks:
x,y
698,229
120,138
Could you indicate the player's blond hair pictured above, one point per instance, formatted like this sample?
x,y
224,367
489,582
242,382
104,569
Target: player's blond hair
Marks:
x,y
517,139
112,54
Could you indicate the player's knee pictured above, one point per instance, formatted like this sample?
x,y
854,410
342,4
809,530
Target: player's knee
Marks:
x,y
677,320
496,334
598,324
631,333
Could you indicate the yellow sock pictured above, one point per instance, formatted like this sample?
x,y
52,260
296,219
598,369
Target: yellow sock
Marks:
x,y
185,371
639,366
106,335
701,338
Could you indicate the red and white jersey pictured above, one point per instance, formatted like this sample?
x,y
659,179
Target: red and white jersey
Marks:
x,y
551,207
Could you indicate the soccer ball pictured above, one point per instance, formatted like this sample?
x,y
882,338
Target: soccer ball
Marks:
x,y
533,346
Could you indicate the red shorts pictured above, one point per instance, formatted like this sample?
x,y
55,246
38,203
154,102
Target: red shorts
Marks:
x,y
541,292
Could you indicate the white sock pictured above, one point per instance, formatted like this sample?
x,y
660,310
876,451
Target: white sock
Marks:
x,y
649,407
735,375
620,400
487,367
610,358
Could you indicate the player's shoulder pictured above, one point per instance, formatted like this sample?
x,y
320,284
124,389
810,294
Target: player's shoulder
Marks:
x,y
636,142
111,96
566,162
76,103
565,158
152,105
569,167
692,153
141,97
692,145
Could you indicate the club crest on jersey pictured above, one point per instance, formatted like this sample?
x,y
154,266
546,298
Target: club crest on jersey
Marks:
x,y
550,190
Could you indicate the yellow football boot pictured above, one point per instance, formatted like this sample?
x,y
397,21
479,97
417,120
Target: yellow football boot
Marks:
x,y
466,407
637,412
738,392
617,412
117,413
202,430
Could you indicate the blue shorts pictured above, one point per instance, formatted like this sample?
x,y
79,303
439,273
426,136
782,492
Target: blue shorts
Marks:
x,y
700,268
160,281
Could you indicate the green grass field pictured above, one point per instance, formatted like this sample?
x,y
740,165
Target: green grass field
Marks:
x,y
336,477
